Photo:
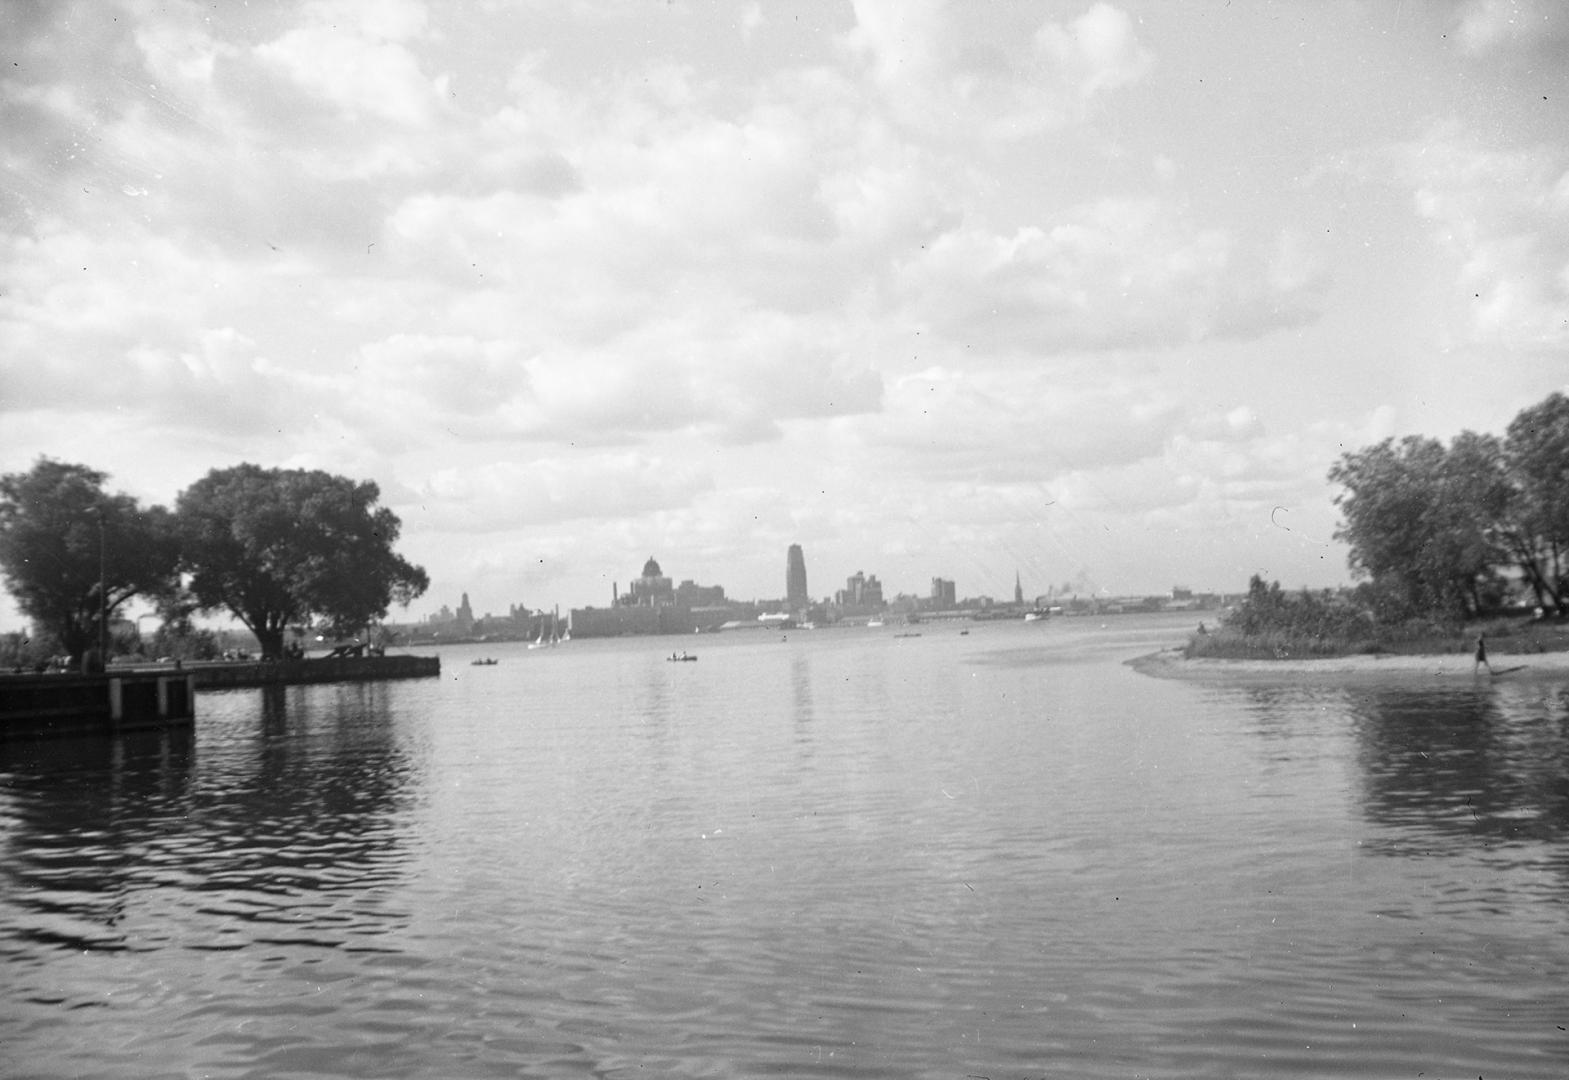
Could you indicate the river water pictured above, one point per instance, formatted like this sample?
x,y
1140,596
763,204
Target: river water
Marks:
x,y
835,853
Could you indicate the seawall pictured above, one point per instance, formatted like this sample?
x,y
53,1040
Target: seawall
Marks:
x,y
59,704
129,699
233,676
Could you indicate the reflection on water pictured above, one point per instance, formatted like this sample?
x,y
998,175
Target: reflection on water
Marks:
x,y
282,830
1486,768
88,821
839,855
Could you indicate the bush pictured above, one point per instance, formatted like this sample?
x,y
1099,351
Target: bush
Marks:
x,y
1273,623
1270,624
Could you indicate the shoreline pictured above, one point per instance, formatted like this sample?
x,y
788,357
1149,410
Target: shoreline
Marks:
x,y
1436,669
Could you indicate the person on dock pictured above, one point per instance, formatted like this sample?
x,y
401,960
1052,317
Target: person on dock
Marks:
x,y
1481,656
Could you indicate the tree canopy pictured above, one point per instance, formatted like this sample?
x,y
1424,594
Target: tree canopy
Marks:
x,y
286,547
1435,529
1537,446
59,531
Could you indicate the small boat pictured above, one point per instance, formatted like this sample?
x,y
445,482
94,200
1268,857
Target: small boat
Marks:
x,y
682,658
485,661
874,623
1035,616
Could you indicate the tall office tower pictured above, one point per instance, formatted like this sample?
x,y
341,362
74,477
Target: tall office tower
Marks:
x,y
796,595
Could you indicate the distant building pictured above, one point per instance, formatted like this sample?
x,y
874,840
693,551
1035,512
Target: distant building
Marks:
x,y
652,589
944,594
796,595
1018,590
651,605
862,595
692,595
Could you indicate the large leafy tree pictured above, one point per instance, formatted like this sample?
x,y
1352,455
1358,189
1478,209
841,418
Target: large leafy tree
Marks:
x,y
286,547
1537,450
1422,521
61,534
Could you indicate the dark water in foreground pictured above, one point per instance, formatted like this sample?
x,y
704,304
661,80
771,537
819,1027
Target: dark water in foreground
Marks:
x,y
845,854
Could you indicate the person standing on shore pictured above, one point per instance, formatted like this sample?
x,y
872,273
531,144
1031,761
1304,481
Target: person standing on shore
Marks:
x,y
1481,656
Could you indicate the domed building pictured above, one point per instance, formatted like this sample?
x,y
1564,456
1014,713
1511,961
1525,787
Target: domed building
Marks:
x,y
653,589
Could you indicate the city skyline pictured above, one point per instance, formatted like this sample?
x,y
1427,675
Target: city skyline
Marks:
x,y
1094,292
433,608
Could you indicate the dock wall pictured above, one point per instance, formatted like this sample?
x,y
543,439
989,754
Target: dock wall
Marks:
x,y
232,676
66,704
95,704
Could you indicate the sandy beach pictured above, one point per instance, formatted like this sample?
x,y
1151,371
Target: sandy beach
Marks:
x,y
1449,669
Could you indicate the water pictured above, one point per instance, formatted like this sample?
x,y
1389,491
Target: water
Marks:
x,y
845,854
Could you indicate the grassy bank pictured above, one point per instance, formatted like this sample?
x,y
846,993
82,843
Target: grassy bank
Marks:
x,y
1505,637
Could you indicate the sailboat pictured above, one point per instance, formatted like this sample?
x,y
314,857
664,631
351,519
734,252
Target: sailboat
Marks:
x,y
555,632
539,642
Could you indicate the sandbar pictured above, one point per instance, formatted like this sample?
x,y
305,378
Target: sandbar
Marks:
x,y
1446,669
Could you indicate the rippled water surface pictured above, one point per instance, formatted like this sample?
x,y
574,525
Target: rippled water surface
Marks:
x,y
1000,854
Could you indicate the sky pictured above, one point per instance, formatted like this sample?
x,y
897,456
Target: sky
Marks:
x,y
1094,294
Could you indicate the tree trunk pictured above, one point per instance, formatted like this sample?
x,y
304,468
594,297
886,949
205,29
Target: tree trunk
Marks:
x,y
271,641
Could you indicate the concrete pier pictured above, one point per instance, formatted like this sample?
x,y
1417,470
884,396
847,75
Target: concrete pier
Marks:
x,y
133,699
95,704
228,675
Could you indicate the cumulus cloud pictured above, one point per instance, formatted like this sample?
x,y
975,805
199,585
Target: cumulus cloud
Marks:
x,y
1505,216
900,37
552,490
946,66
1484,26
1097,51
380,78
1007,425
1108,274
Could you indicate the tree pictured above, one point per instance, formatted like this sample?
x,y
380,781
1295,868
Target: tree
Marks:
x,y
1423,522
1537,450
285,547
60,533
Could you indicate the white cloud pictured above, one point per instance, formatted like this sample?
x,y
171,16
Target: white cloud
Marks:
x,y
900,37
181,52
363,69
1007,425
1097,51
751,19
546,491
1487,25
1505,216
1111,273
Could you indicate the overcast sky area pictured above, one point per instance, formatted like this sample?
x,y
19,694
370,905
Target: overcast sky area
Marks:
x,y
1091,293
